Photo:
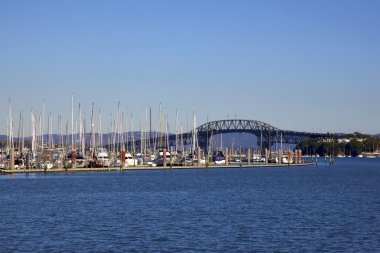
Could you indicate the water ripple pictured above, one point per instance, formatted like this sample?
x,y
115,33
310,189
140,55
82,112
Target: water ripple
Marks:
x,y
296,209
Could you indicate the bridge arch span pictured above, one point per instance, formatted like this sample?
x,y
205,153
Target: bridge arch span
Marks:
x,y
258,128
235,125
266,134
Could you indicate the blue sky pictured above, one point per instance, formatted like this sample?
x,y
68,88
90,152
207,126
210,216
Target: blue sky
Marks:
x,y
299,65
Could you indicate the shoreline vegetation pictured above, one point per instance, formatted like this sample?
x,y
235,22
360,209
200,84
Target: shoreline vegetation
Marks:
x,y
349,145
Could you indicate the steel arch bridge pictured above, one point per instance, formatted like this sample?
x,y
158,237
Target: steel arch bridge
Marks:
x,y
265,133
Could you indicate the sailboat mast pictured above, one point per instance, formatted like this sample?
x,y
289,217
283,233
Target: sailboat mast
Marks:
x,y
150,126
176,131
160,125
67,136
261,141
43,125
19,131
122,132
10,126
33,130
84,127
92,137
60,130
167,132
117,127
72,121
132,136
49,131
80,128
194,132
141,134
146,132
100,131
22,133
11,144
40,132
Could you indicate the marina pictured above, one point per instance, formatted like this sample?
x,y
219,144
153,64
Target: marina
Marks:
x,y
121,147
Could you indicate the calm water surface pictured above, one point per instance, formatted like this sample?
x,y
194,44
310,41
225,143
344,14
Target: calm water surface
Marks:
x,y
222,210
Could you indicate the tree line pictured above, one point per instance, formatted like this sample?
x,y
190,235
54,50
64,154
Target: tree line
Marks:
x,y
358,143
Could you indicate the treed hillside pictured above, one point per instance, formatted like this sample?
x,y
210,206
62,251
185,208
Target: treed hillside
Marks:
x,y
348,145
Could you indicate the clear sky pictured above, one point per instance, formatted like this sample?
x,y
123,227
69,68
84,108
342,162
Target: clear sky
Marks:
x,y
298,65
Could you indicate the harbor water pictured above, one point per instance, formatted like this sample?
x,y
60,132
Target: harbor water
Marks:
x,y
314,208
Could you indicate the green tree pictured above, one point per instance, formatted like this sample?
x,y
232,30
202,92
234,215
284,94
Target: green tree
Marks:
x,y
355,147
371,144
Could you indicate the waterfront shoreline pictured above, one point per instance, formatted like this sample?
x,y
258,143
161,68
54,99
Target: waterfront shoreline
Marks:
x,y
140,168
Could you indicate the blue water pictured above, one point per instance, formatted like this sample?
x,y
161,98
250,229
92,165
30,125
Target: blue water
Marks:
x,y
309,209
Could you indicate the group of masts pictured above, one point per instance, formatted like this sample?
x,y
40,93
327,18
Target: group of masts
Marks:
x,y
84,139
76,138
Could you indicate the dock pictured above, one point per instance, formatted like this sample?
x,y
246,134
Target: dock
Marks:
x,y
140,168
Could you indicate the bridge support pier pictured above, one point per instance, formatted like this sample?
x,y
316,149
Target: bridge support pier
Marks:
x,y
226,157
249,157
199,156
